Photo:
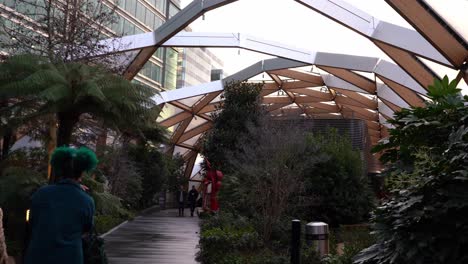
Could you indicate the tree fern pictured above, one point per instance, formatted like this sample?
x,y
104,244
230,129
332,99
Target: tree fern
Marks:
x,y
72,89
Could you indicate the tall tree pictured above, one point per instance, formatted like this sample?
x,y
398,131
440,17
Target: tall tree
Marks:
x,y
61,31
241,107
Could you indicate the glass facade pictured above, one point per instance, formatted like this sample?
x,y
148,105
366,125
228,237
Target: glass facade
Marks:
x,y
144,16
173,9
170,74
152,71
139,16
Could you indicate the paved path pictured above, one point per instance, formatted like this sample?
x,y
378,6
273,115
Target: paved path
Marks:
x,y
156,238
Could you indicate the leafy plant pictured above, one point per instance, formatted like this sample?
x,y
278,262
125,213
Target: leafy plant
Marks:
x,y
16,187
241,107
336,190
421,223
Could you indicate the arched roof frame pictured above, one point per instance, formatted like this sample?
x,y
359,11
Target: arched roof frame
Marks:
x,y
394,86
403,49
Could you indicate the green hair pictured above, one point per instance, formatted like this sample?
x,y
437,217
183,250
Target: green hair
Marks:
x,y
85,160
69,162
62,156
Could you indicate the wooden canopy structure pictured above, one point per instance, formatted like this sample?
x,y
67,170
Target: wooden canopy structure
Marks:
x,y
307,83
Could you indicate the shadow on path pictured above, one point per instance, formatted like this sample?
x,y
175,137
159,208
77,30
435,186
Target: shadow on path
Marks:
x,y
157,237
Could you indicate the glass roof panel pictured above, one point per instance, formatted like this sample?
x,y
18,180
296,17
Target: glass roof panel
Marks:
x,y
368,75
439,69
192,141
442,70
464,86
168,111
172,129
261,77
454,12
217,99
180,150
196,121
305,68
191,101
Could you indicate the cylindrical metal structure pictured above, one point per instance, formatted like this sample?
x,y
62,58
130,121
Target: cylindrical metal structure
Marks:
x,y
296,242
317,237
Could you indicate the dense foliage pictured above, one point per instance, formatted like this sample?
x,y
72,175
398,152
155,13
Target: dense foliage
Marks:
x,y
159,172
233,239
275,172
424,222
241,107
336,190
16,187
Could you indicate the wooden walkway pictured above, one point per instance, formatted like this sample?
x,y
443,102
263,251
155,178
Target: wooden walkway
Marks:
x,y
156,238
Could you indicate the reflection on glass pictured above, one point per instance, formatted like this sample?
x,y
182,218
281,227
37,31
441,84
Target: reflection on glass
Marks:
x,y
170,75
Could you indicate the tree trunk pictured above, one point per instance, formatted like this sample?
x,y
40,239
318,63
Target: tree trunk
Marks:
x,y
101,141
52,125
6,143
67,121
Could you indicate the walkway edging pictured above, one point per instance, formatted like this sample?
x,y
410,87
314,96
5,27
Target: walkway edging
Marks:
x,y
113,229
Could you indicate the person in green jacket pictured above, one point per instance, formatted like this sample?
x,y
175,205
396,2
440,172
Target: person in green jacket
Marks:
x,y
62,213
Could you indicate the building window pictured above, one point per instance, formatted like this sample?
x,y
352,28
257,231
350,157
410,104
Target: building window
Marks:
x,y
152,71
121,4
157,21
216,74
117,27
159,5
128,28
170,74
149,19
140,11
159,53
173,10
10,3
130,6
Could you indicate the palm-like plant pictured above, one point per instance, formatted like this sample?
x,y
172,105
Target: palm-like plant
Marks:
x,y
69,90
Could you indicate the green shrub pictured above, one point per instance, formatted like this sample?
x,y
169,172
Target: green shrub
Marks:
x,y
424,222
337,188
92,184
354,238
105,223
224,238
16,187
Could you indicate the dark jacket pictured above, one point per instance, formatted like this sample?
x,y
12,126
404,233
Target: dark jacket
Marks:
x,y
192,195
184,194
60,214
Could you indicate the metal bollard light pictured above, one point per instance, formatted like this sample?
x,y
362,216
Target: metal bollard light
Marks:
x,y
317,237
296,242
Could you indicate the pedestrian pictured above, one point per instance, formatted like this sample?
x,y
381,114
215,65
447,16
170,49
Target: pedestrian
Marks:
x,y
192,198
62,213
181,196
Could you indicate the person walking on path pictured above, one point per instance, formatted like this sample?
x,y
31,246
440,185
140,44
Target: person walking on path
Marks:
x,y
62,213
192,198
181,196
